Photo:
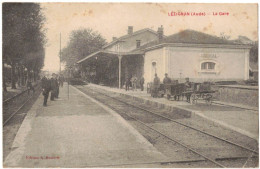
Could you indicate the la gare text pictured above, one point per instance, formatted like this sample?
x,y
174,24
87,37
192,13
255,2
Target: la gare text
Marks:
x,y
172,13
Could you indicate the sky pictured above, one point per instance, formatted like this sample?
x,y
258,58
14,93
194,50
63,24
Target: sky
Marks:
x,y
113,19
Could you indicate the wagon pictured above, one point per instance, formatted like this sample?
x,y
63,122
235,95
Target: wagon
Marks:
x,y
201,91
197,91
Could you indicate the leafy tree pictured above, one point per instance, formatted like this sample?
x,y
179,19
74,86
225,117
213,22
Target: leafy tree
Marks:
x,y
254,53
23,38
82,43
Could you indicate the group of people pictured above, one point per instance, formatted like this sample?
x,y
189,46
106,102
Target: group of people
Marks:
x,y
167,80
51,85
133,82
157,82
29,86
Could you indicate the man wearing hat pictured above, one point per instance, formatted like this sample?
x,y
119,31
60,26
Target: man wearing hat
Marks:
x,y
53,87
156,85
188,89
56,86
166,79
46,87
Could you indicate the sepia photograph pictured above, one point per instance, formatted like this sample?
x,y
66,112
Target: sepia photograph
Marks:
x,y
130,85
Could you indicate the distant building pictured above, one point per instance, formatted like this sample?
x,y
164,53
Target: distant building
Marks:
x,y
199,56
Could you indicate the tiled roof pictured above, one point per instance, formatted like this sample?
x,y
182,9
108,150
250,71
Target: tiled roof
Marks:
x,y
126,36
189,37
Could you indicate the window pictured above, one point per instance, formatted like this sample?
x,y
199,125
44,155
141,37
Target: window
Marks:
x,y
153,68
208,66
154,64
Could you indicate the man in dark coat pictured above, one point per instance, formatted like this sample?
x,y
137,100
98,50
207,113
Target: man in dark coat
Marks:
x,y
56,87
53,86
61,80
45,89
142,83
188,88
156,85
166,79
127,83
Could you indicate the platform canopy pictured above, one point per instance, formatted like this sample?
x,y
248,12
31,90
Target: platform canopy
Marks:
x,y
112,53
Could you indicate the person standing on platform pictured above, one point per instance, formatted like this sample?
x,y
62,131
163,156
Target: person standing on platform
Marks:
x,y
156,84
45,89
134,81
61,80
127,83
166,80
188,88
56,86
53,86
142,83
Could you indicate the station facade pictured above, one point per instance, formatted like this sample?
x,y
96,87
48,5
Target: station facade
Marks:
x,y
189,53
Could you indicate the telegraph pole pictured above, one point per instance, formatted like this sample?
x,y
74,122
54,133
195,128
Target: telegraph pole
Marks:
x,y
60,53
119,60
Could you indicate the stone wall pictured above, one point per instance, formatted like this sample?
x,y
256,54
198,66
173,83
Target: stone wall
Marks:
x,y
245,95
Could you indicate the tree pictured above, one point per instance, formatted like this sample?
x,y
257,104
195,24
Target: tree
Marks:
x,y
23,37
254,53
82,43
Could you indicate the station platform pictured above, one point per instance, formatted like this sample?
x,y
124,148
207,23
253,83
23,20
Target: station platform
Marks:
x,y
242,119
77,131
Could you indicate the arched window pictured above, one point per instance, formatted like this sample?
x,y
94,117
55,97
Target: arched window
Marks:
x,y
154,66
208,66
153,71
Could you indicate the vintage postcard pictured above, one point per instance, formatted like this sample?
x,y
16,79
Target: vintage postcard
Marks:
x,y
130,85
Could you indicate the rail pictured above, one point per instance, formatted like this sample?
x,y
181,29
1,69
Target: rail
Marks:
x,y
15,96
11,116
149,111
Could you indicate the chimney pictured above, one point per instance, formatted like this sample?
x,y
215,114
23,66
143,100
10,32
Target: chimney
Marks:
x,y
114,38
160,33
138,43
130,30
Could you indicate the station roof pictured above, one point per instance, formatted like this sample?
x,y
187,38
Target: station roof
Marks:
x,y
103,50
186,37
190,37
129,35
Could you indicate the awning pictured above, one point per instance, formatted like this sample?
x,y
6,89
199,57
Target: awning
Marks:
x,y
110,52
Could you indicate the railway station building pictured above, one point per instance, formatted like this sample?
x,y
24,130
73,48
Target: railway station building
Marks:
x,y
189,53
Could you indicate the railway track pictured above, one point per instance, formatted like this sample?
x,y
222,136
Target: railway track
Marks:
x,y
15,104
120,105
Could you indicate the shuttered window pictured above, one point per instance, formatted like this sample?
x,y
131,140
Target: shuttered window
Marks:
x,y
208,66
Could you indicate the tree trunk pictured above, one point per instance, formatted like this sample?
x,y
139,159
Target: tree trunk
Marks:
x,y
19,75
13,76
4,85
22,76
